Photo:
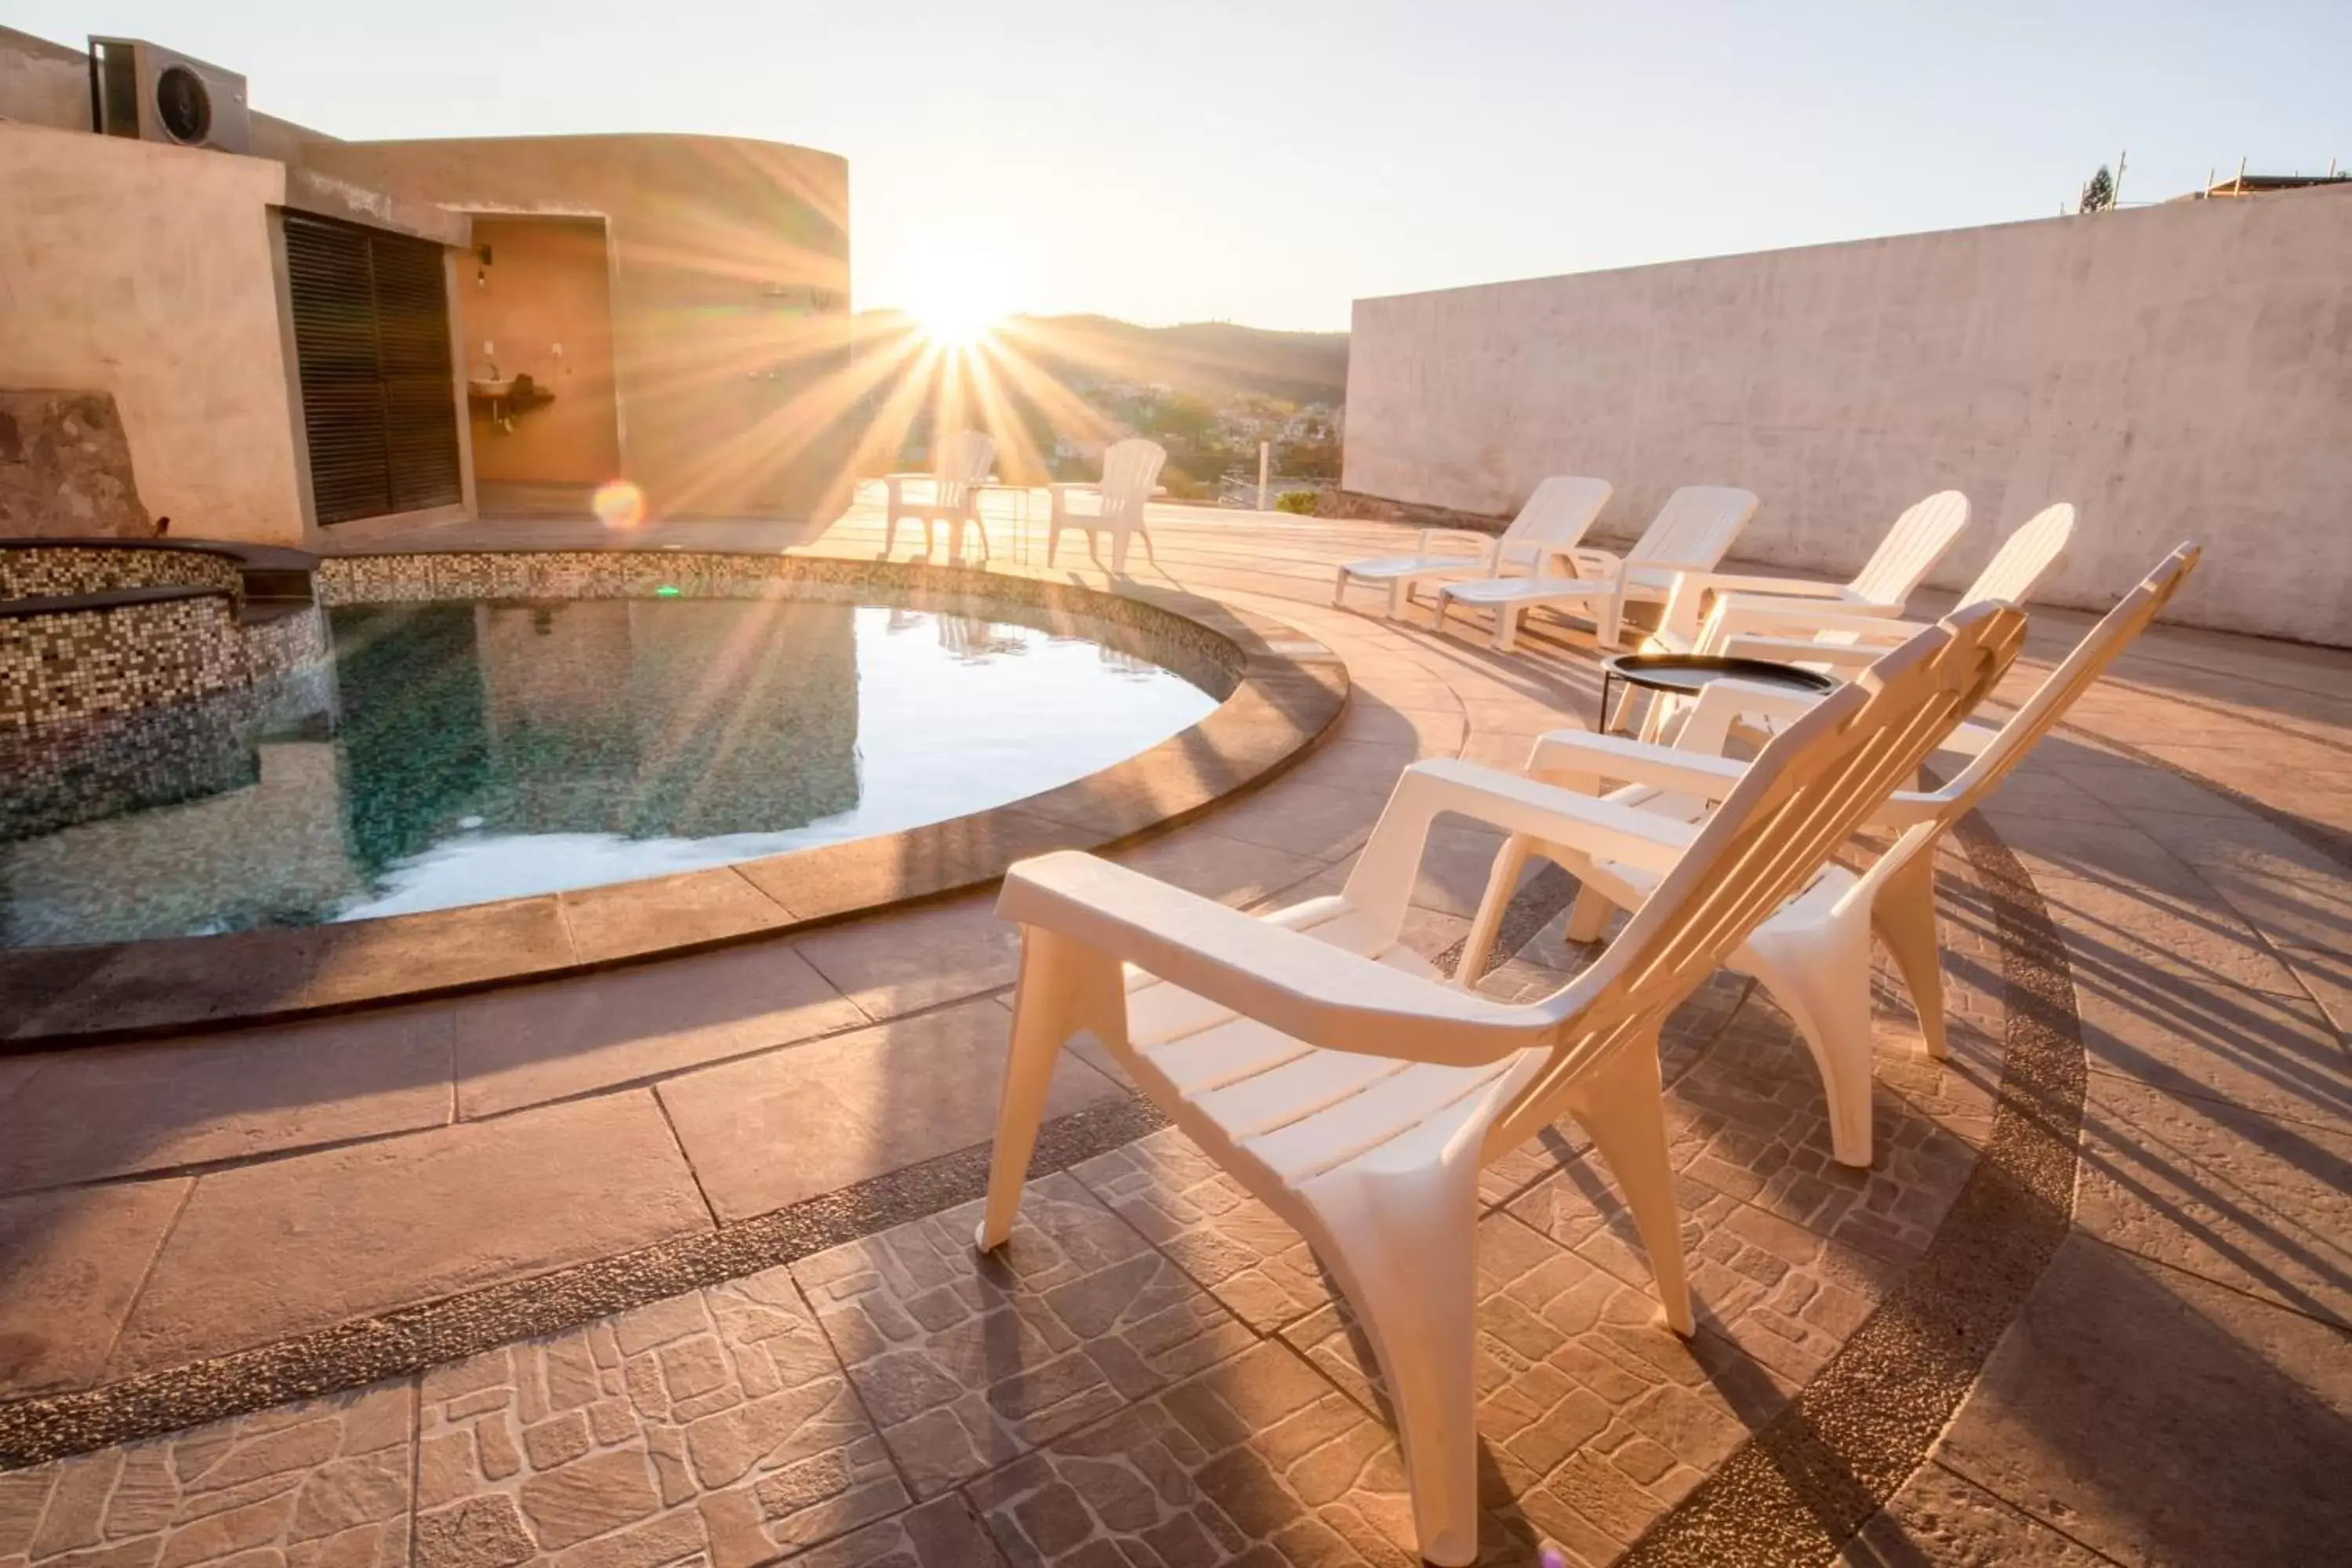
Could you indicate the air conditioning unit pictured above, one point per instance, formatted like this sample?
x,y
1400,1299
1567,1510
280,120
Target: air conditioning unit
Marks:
x,y
139,90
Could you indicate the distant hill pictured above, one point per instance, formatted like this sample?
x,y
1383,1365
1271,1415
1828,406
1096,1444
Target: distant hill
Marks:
x,y
1210,360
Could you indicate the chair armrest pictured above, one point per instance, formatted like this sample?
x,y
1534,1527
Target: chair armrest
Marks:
x,y
1310,990
1545,811
1725,582
1885,626
1581,759
1841,657
1750,615
1485,542
1057,497
1591,561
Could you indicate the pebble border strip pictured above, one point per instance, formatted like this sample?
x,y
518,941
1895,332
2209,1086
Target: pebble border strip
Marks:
x,y
1803,1486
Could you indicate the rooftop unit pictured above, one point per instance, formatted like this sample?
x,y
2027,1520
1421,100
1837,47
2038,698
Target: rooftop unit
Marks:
x,y
154,94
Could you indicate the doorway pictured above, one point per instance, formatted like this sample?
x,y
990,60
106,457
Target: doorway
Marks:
x,y
537,316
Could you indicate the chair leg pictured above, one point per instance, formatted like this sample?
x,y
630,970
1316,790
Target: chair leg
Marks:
x,y
927,540
1905,915
1501,882
1404,1245
889,534
1149,553
1119,553
1506,626
1608,622
1053,541
1820,976
1339,586
1399,598
1622,1104
1615,723
1064,987
1588,916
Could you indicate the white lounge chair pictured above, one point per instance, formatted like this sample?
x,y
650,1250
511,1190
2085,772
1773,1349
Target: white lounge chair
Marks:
x,y
1690,533
1552,524
1901,563
1131,474
1813,954
1333,1074
960,463
1802,631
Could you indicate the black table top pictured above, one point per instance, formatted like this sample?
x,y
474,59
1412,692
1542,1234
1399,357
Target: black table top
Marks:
x,y
1694,671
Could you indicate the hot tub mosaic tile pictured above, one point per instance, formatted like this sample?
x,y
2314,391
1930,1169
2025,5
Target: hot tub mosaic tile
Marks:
x,y
43,571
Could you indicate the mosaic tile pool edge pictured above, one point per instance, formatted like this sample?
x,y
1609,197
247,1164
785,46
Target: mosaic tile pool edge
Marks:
x,y
1280,693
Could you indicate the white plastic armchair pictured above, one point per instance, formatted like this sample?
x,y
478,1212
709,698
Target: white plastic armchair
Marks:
x,y
1802,633
1547,529
1919,539
1131,473
959,465
1691,533
1335,1076
1813,954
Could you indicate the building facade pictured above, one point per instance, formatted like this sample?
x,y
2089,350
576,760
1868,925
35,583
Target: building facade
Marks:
x,y
306,337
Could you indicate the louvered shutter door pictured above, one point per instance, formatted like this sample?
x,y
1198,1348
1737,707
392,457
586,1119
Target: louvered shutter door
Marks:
x,y
372,346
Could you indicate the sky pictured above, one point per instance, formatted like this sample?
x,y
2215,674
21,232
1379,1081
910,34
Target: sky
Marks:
x,y
1268,162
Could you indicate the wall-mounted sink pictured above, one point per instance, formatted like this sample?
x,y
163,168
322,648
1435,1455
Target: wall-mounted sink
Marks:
x,y
489,391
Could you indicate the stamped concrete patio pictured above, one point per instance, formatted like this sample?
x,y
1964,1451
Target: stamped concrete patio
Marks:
x,y
670,1264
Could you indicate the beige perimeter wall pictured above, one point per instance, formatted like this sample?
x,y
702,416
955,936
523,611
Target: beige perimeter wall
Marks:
x,y
144,270
2175,370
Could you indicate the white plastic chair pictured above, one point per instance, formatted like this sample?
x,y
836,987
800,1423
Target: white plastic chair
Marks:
x,y
1919,539
1131,473
960,463
1691,533
1798,631
1813,954
1340,1080
1552,524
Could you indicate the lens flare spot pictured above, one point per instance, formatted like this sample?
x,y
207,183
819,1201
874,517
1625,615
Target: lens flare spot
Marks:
x,y
618,504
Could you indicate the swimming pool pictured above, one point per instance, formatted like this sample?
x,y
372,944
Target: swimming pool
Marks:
x,y
459,752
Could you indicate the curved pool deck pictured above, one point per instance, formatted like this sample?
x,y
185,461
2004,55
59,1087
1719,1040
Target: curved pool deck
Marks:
x,y
638,1265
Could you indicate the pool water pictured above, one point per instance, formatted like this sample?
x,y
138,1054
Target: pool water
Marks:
x,y
453,753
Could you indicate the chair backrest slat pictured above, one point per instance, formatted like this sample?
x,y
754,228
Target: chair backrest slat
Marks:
x,y
1556,518
1130,470
1799,800
2025,558
1911,548
960,461
1695,528
2089,660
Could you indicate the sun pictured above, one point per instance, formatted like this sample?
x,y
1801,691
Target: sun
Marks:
x,y
958,300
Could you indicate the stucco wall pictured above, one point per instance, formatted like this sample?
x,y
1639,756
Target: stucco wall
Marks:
x,y
731,389
545,301
2178,370
144,271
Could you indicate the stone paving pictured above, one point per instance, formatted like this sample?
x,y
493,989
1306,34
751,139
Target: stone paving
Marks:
x,y
1156,1373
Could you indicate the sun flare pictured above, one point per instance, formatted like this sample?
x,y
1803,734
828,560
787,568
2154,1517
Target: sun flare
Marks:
x,y
958,302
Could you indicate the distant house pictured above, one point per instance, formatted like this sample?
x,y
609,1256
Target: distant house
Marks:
x,y
2245,185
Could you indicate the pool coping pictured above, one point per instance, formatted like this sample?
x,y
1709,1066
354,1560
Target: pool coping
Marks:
x,y
1289,691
